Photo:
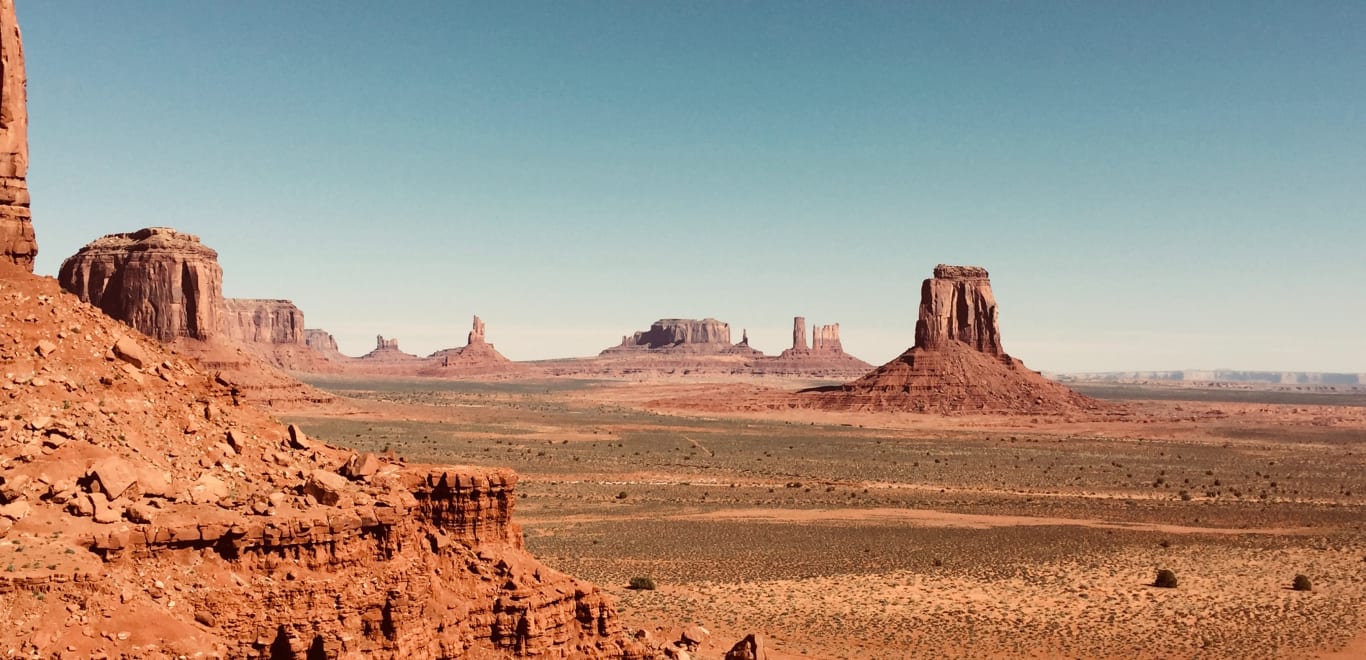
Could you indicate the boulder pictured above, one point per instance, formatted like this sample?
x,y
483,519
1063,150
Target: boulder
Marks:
x,y
115,476
326,487
128,350
749,648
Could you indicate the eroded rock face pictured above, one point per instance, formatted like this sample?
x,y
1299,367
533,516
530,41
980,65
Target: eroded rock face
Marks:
x,y
824,357
957,305
17,241
321,341
826,339
263,321
476,335
799,333
164,283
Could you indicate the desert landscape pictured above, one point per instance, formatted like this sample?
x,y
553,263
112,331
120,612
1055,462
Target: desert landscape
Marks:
x,y
188,474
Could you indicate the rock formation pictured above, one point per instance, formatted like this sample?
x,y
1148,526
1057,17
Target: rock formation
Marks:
x,y
694,336
826,339
476,335
957,364
164,283
260,321
322,342
476,358
17,242
162,517
957,305
169,286
823,358
387,350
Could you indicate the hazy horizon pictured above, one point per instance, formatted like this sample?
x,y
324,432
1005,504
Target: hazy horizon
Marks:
x,y
1151,187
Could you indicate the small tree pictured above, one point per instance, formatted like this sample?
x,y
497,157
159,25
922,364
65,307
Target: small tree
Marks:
x,y
643,583
1165,579
1301,583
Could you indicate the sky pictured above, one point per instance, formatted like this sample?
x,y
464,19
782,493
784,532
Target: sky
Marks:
x,y
1155,185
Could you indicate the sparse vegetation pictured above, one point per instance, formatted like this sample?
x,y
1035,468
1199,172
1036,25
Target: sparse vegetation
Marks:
x,y
1301,583
642,583
1165,579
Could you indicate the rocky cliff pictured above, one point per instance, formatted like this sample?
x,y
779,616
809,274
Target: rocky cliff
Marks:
x,y
387,351
18,244
322,342
160,516
254,320
957,364
164,283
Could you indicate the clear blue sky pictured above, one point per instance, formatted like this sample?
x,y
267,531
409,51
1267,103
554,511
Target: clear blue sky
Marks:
x,y
1152,185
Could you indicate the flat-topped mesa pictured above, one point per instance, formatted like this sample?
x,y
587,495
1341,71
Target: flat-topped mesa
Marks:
x,y
18,244
382,344
263,321
164,283
957,305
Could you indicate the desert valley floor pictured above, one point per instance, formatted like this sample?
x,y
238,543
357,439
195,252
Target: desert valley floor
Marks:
x,y
886,535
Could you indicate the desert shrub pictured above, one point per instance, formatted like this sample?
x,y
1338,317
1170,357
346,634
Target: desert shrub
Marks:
x,y
1165,579
621,495
1301,583
642,583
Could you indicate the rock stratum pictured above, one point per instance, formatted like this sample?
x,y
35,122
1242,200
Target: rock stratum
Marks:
x,y
957,364
161,516
18,244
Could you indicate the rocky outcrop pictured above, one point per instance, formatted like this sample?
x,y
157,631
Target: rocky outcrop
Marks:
x,y
254,320
169,286
173,519
476,358
476,335
17,242
164,283
957,305
322,342
387,351
956,365
691,336
826,339
824,357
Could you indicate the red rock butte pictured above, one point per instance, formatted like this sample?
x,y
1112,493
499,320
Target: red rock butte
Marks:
x,y
957,364
18,244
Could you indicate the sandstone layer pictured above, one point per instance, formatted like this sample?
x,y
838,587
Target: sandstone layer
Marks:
x,y
160,516
254,320
957,364
18,245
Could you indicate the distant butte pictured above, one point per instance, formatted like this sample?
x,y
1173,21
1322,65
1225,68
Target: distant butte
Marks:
x,y
688,336
824,357
957,364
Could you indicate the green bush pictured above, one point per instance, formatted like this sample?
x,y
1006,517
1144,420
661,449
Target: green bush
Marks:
x,y
643,583
1165,579
1301,583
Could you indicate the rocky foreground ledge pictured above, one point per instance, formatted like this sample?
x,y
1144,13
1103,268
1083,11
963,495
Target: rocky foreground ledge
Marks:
x,y
146,512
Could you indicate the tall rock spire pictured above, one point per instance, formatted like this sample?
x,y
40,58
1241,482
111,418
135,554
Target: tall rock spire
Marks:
x,y
17,242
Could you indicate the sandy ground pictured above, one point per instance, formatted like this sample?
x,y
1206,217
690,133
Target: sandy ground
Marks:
x,y
868,535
